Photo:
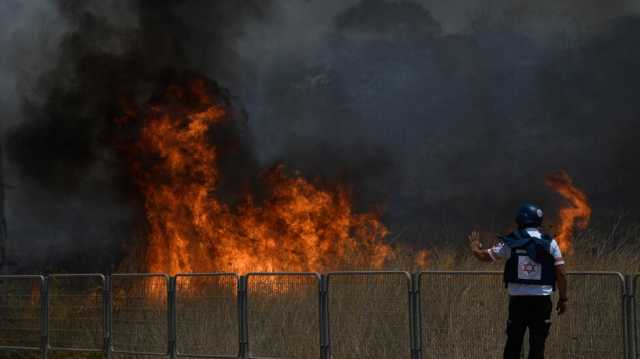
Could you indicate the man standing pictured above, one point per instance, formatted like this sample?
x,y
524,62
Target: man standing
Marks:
x,y
534,268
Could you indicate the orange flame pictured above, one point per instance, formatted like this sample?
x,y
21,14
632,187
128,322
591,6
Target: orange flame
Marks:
x,y
296,226
576,214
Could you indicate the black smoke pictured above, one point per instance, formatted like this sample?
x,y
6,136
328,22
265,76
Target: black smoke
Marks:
x,y
466,124
447,115
77,205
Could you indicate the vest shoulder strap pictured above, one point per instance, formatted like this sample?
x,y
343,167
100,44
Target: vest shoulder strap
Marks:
x,y
515,239
547,237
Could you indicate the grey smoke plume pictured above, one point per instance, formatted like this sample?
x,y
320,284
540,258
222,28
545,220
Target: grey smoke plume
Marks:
x,y
466,117
448,113
73,200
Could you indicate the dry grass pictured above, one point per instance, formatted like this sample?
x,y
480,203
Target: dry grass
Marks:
x,y
614,247
462,316
465,317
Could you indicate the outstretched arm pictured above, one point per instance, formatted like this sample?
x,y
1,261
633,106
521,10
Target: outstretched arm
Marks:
x,y
561,281
476,247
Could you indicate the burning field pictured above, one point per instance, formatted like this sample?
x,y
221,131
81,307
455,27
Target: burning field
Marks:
x,y
189,149
331,160
276,220
288,224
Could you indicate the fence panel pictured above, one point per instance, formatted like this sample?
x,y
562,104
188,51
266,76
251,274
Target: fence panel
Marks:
x,y
207,315
76,312
20,312
593,327
139,313
369,314
463,314
283,313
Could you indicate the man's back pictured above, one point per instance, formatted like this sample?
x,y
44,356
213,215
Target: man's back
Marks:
x,y
528,267
533,269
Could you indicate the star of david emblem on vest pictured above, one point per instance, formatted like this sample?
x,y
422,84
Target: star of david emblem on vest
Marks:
x,y
529,267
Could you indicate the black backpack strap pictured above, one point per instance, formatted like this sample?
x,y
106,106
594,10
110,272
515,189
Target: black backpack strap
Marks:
x,y
516,240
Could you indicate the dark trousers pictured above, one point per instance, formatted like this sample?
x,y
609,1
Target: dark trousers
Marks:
x,y
533,312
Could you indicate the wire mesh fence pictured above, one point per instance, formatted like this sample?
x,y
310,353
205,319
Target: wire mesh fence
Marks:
x,y
76,312
369,314
283,315
593,326
139,313
207,315
463,315
303,315
21,312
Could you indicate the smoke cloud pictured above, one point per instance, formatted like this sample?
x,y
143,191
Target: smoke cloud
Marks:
x,y
448,114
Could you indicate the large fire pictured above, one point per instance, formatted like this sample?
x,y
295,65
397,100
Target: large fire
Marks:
x,y
295,226
576,214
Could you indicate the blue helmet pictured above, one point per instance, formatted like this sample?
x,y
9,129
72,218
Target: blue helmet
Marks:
x,y
529,215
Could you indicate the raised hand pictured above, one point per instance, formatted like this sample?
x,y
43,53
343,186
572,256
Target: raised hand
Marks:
x,y
474,240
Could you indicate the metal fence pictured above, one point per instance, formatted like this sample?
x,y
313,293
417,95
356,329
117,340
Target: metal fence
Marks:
x,y
634,325
139,314
76,312
594,327
462,318
21,312
369,315
462,314
283,315
208,315
304,315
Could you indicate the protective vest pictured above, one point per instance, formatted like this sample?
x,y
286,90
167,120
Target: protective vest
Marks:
x,y
531,261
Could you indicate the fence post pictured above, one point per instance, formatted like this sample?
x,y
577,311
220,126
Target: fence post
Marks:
x,y
630,323
412,322
242,315
107,322
171,320
627,317
634,318
416,335
626,314
324,323
44,317
327,328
